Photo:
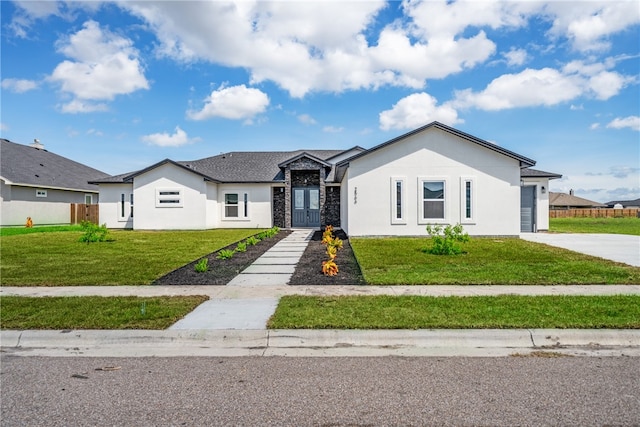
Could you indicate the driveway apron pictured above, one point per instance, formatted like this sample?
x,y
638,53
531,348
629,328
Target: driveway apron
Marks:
x,y
615,247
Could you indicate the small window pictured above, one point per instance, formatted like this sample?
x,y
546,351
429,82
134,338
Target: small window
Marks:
x,y
168,198
41,193
88,199
398,201
125,206
246,205
432,205
467,200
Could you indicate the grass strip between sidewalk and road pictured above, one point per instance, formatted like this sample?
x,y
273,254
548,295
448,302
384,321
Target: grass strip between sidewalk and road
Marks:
x,y
491,312
90,312
486,261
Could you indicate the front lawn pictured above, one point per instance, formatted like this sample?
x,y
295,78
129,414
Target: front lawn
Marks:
x,y
419,312
131,258
95,312
510,261
625,225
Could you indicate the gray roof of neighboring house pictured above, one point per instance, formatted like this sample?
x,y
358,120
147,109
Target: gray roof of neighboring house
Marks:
x,y
238,166
634,203
563,199
534,173
30,166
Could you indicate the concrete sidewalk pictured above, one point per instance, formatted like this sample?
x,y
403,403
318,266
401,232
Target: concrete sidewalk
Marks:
x,y
322,343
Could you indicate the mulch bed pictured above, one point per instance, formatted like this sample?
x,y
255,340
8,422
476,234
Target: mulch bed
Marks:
x,y
309,268
307,272
220,271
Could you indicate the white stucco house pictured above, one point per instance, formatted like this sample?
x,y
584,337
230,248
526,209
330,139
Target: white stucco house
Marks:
x,y
432,175
41,185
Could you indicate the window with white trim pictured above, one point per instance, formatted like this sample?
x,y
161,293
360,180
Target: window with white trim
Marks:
x,y
88,199
41,193
467,200
169,197
432,199
125,206
236,205
398,201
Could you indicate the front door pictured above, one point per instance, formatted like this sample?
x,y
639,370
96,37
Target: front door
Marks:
x,y
306,207
528,209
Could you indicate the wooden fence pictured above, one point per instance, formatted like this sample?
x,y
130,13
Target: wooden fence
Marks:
x,y
81,212
593,213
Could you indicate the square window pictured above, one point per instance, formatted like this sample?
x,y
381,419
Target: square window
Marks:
x,y
433,200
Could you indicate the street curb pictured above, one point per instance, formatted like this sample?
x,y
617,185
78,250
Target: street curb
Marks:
x,y
292,343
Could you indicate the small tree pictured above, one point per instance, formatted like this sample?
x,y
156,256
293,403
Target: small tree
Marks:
x,y
94,232
446,240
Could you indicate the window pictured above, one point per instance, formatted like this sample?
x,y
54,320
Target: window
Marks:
x,y
41,193
125,207
432,195
88,199
231,205
168,197
467,200
236,206
398,201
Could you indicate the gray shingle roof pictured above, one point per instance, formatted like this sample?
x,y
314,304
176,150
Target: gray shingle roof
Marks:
x,y
534,173
238,166
26,165
565,200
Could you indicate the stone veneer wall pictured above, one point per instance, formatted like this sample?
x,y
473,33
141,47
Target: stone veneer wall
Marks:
x,y
278,207
294,176
332,207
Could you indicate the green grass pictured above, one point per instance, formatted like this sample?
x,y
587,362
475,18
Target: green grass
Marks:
x,y
510,261
95,312
132,258
14,231
419,312
625,225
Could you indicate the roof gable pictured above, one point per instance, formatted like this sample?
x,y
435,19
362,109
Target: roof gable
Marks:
x,y
524,161
35,167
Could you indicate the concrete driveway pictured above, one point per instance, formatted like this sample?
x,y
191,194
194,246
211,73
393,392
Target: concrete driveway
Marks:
x,y
615,247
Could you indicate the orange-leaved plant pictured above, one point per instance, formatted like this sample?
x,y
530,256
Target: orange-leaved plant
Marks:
x,y
329,267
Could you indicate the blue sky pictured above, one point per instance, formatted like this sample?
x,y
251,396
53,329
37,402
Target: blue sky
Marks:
x,y
121,85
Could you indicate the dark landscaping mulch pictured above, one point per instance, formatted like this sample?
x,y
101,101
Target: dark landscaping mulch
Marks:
x,y
220,272
309,268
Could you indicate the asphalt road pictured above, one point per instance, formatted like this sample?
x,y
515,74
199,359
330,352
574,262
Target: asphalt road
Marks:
x,y
254,391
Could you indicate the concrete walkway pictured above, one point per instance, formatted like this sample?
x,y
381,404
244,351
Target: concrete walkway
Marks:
x,y
615,247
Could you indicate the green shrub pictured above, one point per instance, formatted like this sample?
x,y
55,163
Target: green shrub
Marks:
x,y
242,247
225,253
202,265
94,232
253,240
445,240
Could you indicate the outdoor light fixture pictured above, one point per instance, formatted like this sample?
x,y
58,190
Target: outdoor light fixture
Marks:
x,y
543,190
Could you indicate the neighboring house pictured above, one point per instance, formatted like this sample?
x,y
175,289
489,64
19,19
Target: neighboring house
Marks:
x,y
626,204
570,201
38,184
432,175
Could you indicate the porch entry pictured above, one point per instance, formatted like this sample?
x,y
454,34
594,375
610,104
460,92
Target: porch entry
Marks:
x,y
305,207
528,209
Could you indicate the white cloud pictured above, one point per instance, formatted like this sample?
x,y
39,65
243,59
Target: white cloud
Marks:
x,y
589,25
594,126
631,122
4,127
332,129
306,119
516,57
102,66
235,102
417,110
617,183
525,89
19,85
79,106
164,139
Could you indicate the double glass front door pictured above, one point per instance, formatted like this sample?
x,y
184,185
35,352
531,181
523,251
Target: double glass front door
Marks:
x,y
306,207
